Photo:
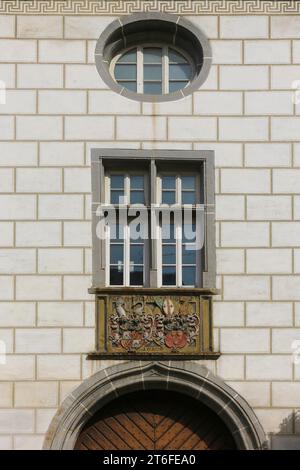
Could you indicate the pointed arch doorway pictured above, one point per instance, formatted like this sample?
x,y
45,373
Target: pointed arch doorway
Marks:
x,y
155,420
202,406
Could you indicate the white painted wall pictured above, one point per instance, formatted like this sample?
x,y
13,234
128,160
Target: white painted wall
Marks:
x,y
57,109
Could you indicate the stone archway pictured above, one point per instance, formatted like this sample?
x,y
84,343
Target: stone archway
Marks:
x,y
188,378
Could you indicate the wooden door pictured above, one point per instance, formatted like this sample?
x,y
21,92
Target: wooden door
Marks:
x,y
155,420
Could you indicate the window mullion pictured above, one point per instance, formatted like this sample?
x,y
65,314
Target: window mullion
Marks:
x,y
158,192
198,189
178,254
107,255
126,256
127,189
140,70
146,262
127,237
159,253
107,189
178,189
165,70
198,264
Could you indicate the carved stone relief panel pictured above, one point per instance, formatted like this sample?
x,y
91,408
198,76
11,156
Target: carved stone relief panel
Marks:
x,y
161,324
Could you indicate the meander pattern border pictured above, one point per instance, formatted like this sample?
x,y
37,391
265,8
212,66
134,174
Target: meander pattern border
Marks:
x,y
124,7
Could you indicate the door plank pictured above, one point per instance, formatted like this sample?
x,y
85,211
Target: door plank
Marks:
x,y
133,428
124,433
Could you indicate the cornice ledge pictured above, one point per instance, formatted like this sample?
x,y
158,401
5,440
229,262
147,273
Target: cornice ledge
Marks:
x,y
126,7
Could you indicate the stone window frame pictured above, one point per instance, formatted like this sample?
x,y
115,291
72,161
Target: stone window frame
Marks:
x,y
102,159
172,30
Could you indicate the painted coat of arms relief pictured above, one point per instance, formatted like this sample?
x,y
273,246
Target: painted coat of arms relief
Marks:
x,y
152,324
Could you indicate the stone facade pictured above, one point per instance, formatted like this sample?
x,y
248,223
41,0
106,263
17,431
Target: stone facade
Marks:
x,y
57,109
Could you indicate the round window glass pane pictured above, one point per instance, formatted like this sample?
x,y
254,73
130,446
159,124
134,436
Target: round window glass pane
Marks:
x,y
176,58
152,88
180,72
125,72
128,57
152,72
174,86
129,85
152,55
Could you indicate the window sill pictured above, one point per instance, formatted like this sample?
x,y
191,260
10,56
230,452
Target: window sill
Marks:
x,y
122,290
96,356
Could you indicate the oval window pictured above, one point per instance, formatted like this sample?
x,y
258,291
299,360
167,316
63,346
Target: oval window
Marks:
x,y
153,57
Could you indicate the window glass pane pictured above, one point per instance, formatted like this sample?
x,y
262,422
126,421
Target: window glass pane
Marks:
x,y
129,56
188,276
116,196
137,197
169,276
152,55
168,254
136,232
188,182
125,72
152,88
129,85
168,233
168,197
188,197
136,275
168,182
176,57
116,233
116,254
180,72
137,254
137,182
116,275
117,181
152,72
174,86
189,232
188,254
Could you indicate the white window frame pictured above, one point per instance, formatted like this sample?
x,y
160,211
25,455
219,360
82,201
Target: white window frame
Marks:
x,y
178,188
126,260
126,175
126,240
177,228
165,66
179,265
